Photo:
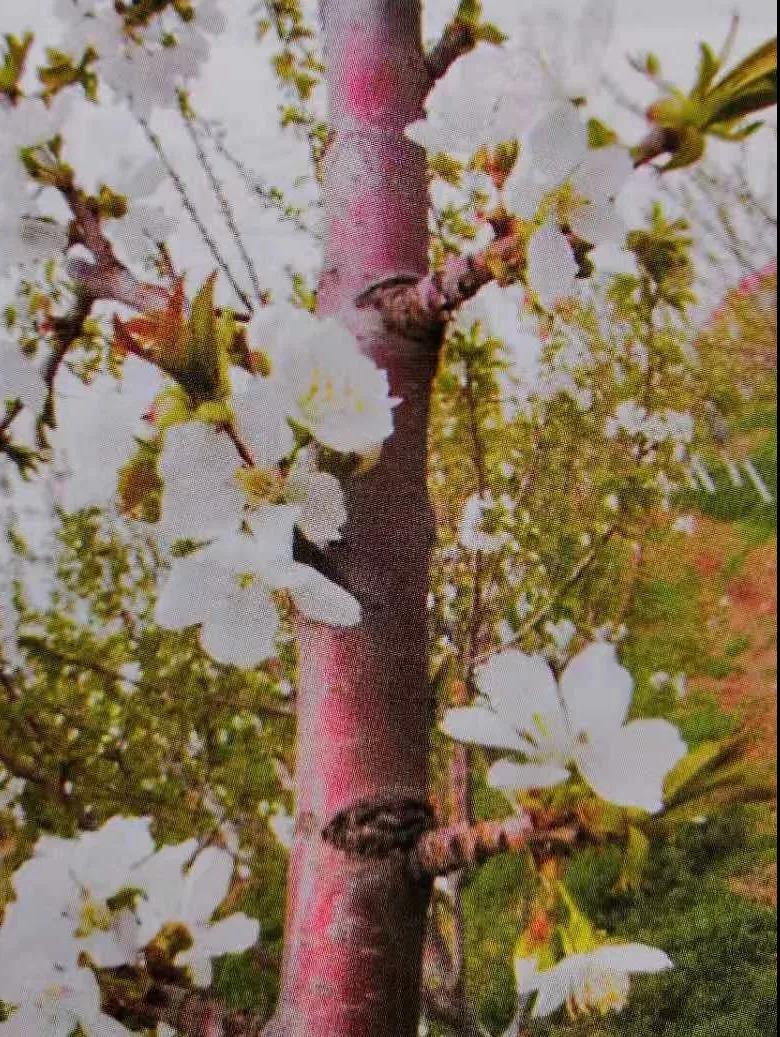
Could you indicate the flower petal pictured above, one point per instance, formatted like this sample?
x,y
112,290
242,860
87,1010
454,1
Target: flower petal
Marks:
x,y
202,497
206,884
552,268
229,935
189,593
596,691
321,499
242,632
555,985
559,143
477,725
509,776
323,600
603,173
632,957
261,414
628,767
599,224
520,687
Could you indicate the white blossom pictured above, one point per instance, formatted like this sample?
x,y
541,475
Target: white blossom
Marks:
x,y
97,429
62,894
201,496
51,1000
577,722
332,390
320,497
569,51
460,119
552,269
547,59
227,588
498,310
147,66
557,153
176,894
595,981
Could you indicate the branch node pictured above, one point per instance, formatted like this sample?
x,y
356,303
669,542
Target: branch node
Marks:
x,y
377,828
375,293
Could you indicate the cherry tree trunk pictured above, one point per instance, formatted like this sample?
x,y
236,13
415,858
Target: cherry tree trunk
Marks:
x,y
355,926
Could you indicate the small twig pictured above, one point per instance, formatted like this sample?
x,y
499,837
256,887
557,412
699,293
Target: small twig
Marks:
x,y
241,448
271,197
227,211
538,617
457,39
191,210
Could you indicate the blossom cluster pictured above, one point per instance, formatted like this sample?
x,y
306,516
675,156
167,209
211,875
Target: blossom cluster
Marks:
x,y
144,60
321,386
533,87
101,901
576,722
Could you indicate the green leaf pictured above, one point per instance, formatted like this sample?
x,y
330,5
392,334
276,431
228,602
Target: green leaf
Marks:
x,y
489,33
14,61
709,66
62,72
469,11
110,203
652,64
701,761
204,372
139,486
725,132
753,99
761,64
172,407
600,135
213,412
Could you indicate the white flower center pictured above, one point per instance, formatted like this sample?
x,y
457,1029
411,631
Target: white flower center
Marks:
x,y
600,992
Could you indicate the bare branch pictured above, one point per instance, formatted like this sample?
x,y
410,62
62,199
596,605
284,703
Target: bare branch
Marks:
x,y
457,39
193,213
190,1012
442,851
228,214
419,309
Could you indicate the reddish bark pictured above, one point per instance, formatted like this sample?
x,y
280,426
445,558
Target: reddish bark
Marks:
x,y
355,926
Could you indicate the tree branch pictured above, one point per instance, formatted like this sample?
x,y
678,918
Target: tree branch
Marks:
x,y
457,39
190,1012
262,297
442,851
418,307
